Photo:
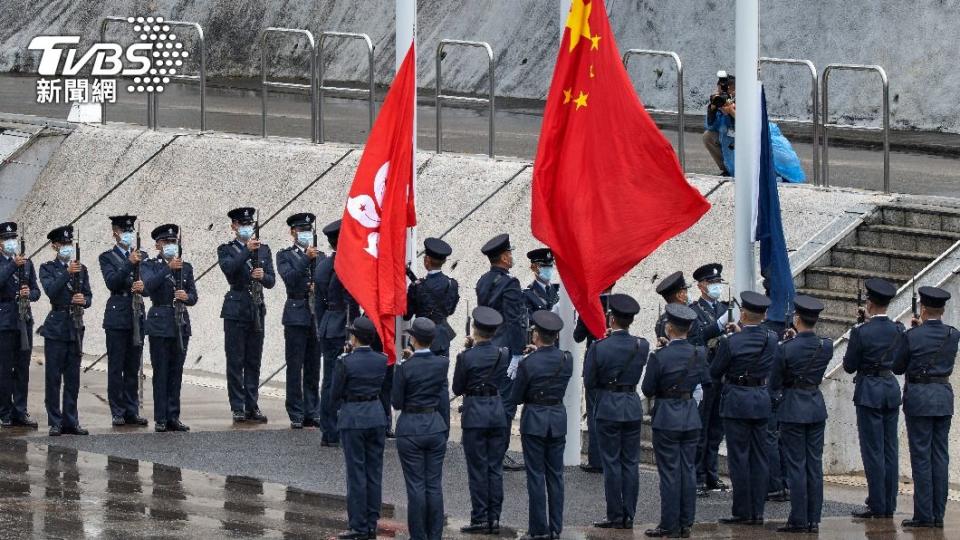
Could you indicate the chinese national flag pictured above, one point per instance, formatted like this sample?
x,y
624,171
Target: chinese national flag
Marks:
x,y
607,187
371,252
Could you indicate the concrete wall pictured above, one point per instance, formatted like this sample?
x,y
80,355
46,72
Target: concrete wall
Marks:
x,y
914,41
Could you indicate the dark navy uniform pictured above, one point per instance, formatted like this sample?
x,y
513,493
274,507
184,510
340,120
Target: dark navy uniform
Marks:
x,y
668,289
581,334
540,385
743,362
672,375
873,348
362,425
14,360
123,356
160,282
541,294
302,347
243,344
802,415
63,336
484,422
421,394
435,296
927,363
612,370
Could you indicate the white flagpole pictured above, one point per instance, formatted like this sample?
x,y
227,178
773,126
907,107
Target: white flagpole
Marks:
x,y
747,134
406,33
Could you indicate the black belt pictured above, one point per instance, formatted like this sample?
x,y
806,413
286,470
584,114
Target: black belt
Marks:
x,y
296,297
674,394
542,401
915,379
120,294
336,307
361,399
60,308
801,386
621,388
419,410
875,372
746,381
162,305
483,391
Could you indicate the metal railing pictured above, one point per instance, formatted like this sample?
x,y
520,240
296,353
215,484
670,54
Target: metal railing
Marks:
x,y
103,32
201,79
814,110
264,83
369,92
681,123
440,98
826,125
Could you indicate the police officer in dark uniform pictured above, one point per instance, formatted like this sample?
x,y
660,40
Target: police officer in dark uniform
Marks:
x,y
485,429
169,282
335,309
582,334
873,348
355,393
612,370
673,373
802,414
743,361
436,295
540,385
673,289
297,265
18,279
498,290
248,265
118,266
541,293
927,363
421,394
712,318
67,284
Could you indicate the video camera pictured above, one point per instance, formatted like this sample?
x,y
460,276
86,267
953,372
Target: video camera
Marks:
x,y
724,81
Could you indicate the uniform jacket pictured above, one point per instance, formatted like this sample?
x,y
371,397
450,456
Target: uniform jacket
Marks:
x,y
160,283
802,360
616,360
435,296
421,382
10,289
677,367
538,296
751,352
694,335
359,374
333,301
499,290
236,262
295,269
710,331
931,350
542,375
481,368
59,287
875,345
118,275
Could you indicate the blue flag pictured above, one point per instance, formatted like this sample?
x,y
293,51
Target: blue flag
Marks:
x,y
774,262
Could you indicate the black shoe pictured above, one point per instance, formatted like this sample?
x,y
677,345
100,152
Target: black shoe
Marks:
x,y
719,485
54,431
788,528
608,524
238,417
118,421
685,532
938,524
813,528
296,424
529,536
77,430
353,535
587,468
916,524
660,532
177,425
256,416
476,527
756,522
137,421
330,444
869,514
702,491
494,528
390,434
734,521
510,464
26,421
372,535
778,496
628,524
6,423
160,427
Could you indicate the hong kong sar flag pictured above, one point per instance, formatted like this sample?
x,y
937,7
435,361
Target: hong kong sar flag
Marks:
x,y
371,252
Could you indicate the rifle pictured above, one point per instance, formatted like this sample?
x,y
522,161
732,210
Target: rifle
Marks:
x,y
76,311
138,308
468,327
25,318
913,299
410,275
861,315
179,308
256,288
311,297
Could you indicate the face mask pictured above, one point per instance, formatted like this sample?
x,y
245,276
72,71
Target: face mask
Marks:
x,y
714,290
170,251
66,252
127,239
10,246
546,274
304,238
245,232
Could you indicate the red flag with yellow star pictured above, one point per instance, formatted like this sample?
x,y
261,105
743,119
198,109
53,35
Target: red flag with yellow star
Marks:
x,y
607,186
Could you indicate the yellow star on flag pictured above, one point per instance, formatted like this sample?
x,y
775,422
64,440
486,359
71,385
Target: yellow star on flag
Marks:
x,y
595,43
567,94
578,21
581,100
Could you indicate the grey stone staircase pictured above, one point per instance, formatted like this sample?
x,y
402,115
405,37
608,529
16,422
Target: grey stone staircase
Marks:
x,y
895,243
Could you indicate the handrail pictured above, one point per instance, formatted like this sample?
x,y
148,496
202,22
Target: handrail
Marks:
x,y
440,98
369,91
825,124
264,83
681,152
815,108
104,22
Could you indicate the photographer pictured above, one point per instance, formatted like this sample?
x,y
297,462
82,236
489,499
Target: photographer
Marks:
x,y
719,127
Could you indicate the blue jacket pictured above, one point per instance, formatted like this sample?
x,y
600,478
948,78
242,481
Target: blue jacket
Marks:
x,y
357,378
617,360
542,377
931,350
875,345
694,335
499,290
295,269
436,297
59,287
236,262
750,353
538,297
333,301
724,126
710,330
678,367
160,283
10,289
478,372
118,275
421,382
802,361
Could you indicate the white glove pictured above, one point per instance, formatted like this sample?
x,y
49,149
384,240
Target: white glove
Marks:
x,y
512,368
722,320
698,394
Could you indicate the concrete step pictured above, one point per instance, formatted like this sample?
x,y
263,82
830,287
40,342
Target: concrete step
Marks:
x,y
932,217
835,302
881,259
906,238
844,279
834,326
